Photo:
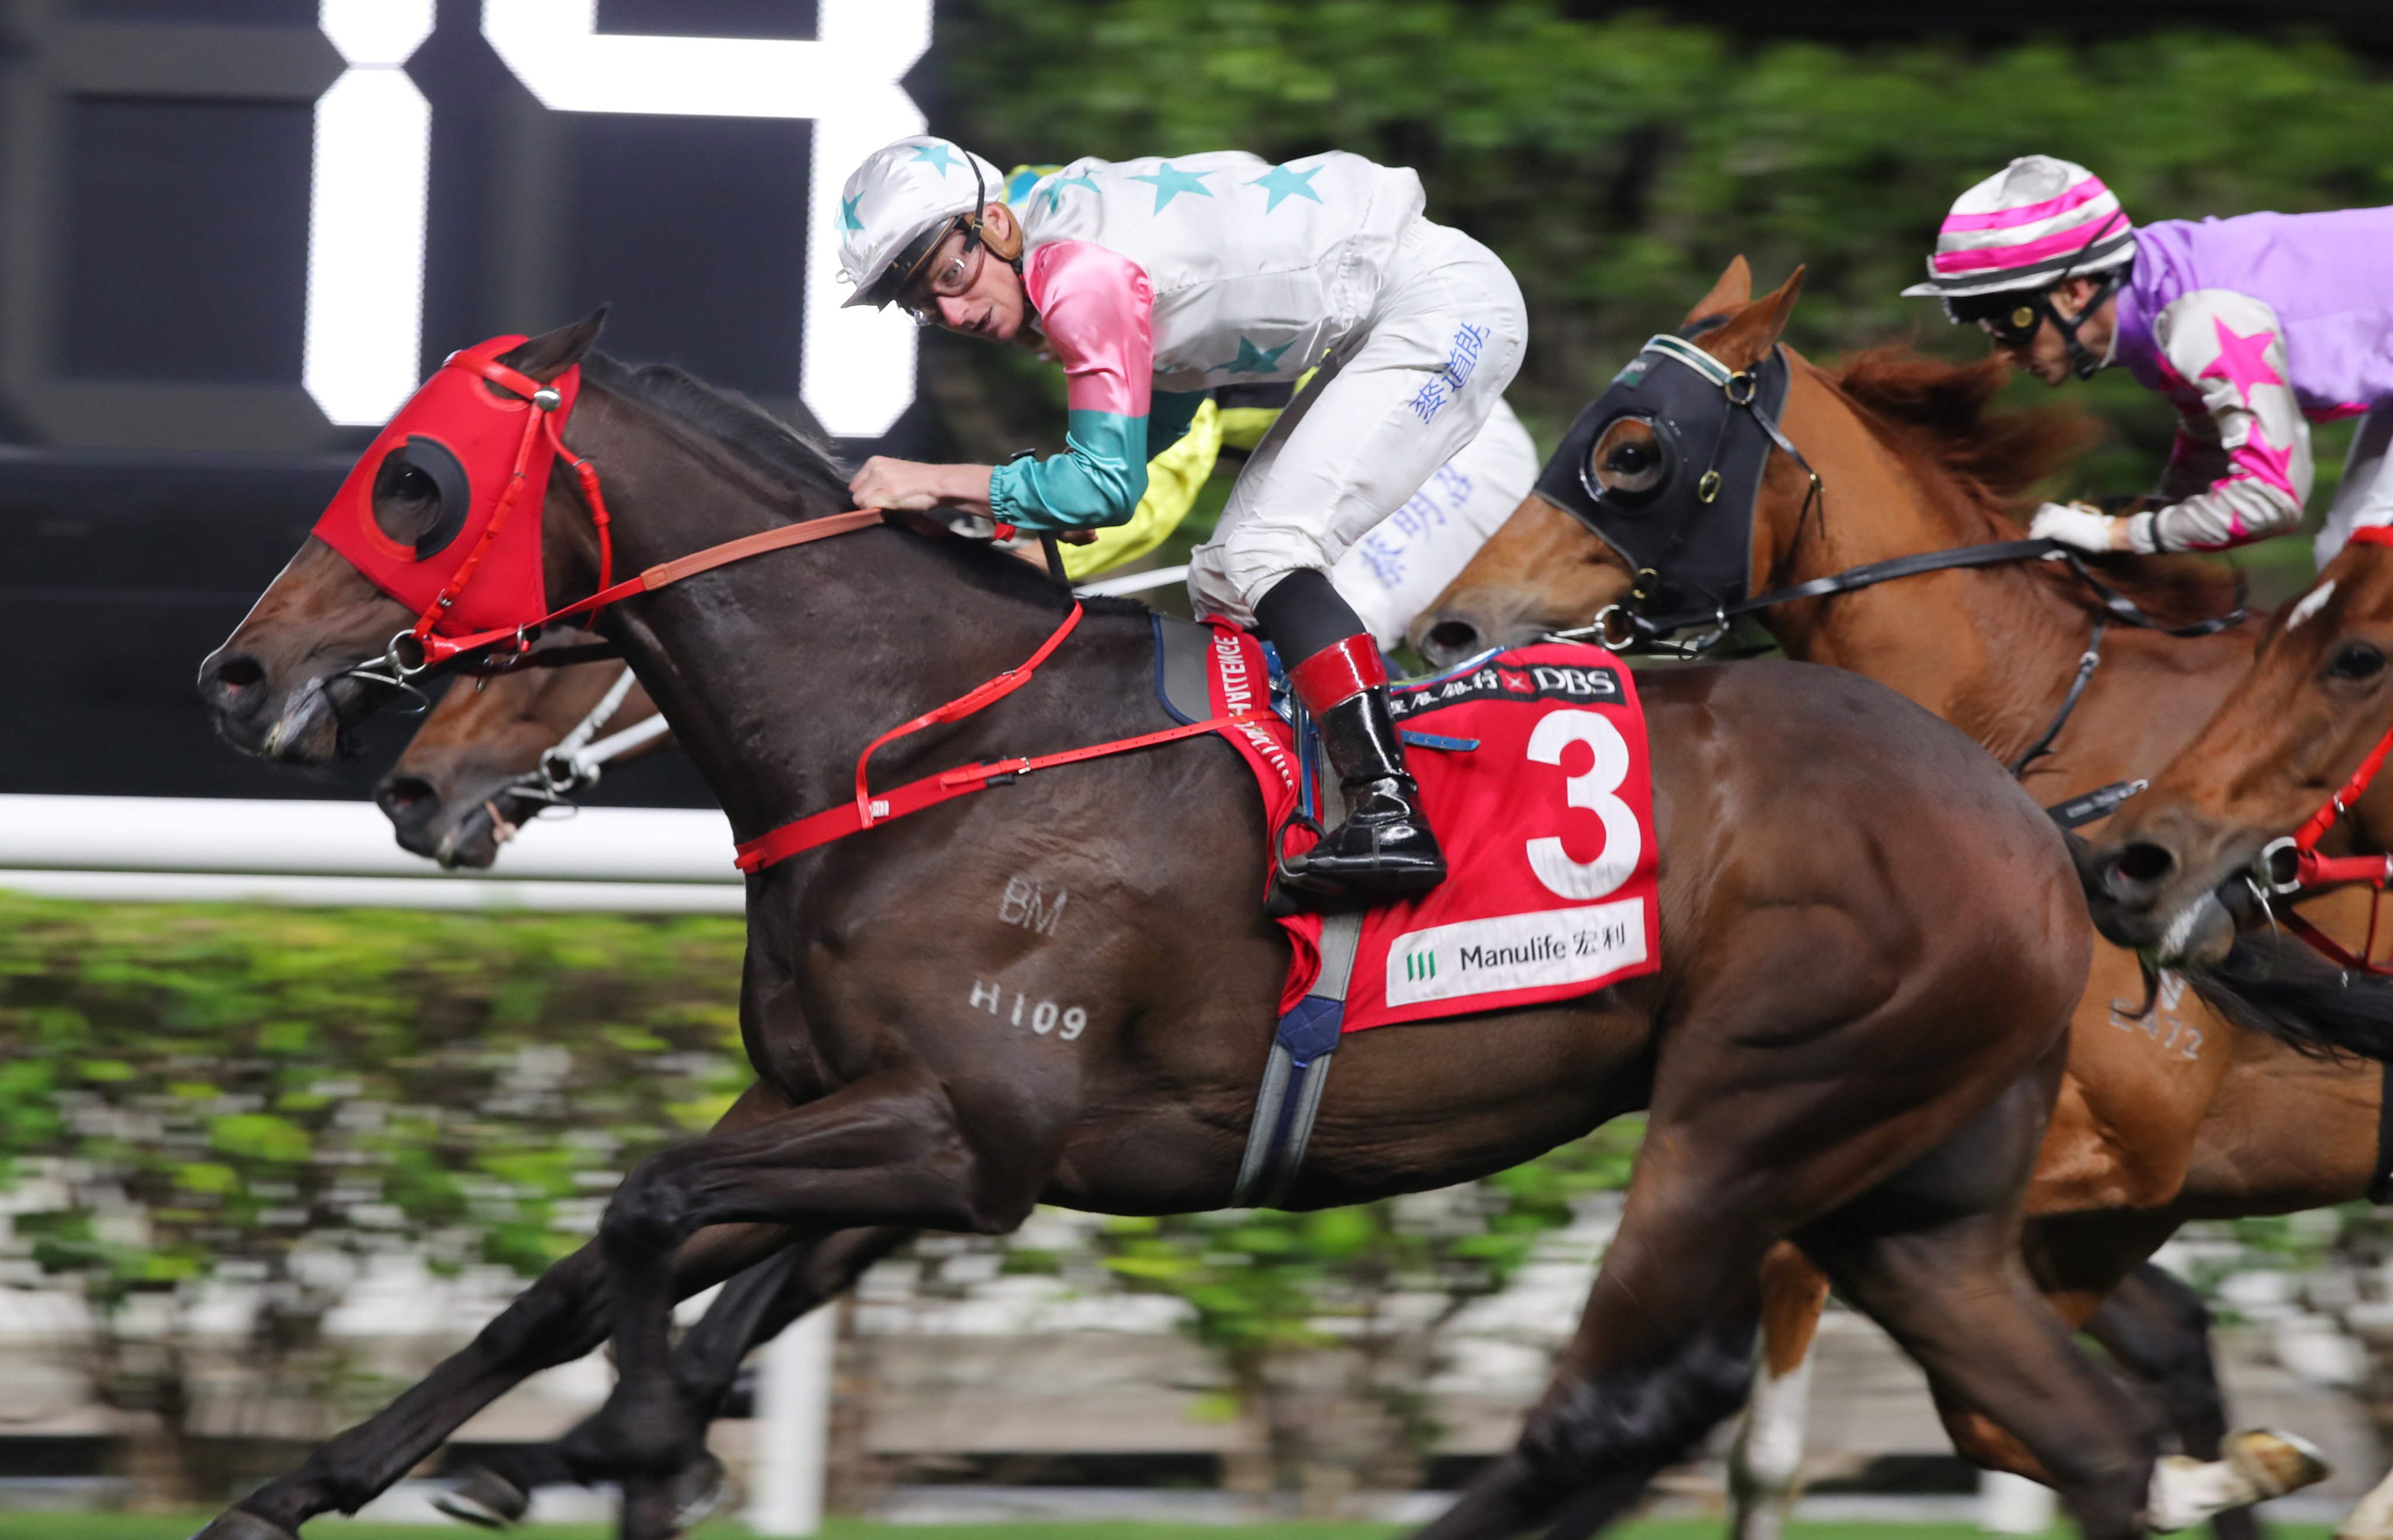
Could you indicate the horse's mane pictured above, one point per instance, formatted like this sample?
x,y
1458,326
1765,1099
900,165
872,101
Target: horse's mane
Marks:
x,y
757,435
727,416
1943,412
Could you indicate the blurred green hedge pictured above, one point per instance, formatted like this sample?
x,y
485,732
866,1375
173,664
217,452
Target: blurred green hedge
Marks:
x,y
188,1087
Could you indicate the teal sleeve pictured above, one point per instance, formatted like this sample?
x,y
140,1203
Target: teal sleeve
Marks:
x,y
1167,416
1096,481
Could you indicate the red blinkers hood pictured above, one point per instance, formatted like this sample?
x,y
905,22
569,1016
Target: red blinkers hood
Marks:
x,y
477,433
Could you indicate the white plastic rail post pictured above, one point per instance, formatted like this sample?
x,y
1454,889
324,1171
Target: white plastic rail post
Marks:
x,y
793,1427
364,326
2013,1504
856,372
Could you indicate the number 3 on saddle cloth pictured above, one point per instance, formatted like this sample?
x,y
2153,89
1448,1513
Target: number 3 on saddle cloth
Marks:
x,y
1534,770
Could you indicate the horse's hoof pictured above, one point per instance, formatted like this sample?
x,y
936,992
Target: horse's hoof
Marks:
x,y
2273,1462
233,1524
696,1491
485,1497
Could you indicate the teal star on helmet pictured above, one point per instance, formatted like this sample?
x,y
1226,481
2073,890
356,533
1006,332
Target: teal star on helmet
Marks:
x,y
1282,183
1252,360
847,219
934,154
1170,181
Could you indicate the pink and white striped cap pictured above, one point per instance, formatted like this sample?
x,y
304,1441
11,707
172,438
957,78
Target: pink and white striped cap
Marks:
x,y
2030,225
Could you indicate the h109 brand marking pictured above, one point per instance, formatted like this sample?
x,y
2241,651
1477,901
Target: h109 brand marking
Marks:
x,y
1040,1016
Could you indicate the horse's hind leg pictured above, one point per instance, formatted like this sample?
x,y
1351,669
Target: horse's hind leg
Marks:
x,y
1933,1256
752,1308
1766,1461
2156,1326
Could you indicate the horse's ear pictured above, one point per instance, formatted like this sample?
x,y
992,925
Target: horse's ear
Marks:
x,y
1733,292
1753,332
552,353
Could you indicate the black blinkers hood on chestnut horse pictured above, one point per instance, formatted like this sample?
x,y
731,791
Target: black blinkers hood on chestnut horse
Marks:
x,y
1871,941
1686,441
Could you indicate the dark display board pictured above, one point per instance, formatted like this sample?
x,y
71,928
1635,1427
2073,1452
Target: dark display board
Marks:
x,y
171,418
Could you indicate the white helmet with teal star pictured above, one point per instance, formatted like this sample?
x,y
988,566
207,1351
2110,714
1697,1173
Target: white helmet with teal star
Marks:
x,y
900,203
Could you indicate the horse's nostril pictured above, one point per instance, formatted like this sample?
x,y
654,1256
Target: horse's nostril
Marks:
x,y
1453,638
405,798
2141,865
240,673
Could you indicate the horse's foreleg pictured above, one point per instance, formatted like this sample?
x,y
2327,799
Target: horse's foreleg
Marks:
x,y
1766,1461
1933,1256
886,1150
559,1319
754,1307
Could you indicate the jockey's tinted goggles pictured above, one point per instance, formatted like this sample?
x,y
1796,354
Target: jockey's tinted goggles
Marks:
x,y
2009,317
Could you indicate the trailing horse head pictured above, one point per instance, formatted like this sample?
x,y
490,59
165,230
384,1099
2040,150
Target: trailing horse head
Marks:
x,y
2186,872
1547,569
477,768
290,679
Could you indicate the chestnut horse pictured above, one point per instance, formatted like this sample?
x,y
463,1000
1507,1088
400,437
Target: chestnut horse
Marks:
x,y
2166,1116
2318,698
1870,948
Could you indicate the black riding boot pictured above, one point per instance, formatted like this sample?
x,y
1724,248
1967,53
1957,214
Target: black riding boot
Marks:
x,y
1384,850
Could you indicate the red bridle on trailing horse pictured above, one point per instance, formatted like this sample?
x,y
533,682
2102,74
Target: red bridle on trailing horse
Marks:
x,y
2310,870
483,436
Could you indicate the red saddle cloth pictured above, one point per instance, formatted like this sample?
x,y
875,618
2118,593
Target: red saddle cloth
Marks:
x,y
1546,822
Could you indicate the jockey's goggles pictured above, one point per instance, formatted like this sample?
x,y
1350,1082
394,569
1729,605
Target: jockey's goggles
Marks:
x,y
2012,318
942,274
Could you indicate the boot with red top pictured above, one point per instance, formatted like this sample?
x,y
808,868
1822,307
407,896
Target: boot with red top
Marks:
x,y
1384,850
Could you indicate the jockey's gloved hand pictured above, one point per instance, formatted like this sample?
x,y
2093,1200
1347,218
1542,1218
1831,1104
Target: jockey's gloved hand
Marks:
x,y
2077,525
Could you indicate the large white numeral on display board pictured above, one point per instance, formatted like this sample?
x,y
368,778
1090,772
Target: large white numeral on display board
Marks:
x,y
373,132
365,214
1595,790
857,372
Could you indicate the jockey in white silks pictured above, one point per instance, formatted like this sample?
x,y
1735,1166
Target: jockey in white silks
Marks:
x,y
2253,328
1153,280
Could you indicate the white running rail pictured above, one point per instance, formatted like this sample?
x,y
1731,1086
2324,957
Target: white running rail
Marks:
x,y
631,860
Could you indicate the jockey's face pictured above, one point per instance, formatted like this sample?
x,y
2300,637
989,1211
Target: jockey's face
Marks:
x,y
2045,354
973,292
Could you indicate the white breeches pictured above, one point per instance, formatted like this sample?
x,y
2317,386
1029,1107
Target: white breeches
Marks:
x,y
1400,564
1395,401
2366,495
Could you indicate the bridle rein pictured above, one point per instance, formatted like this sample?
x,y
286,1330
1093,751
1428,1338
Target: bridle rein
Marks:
x,y
429,644
1730,483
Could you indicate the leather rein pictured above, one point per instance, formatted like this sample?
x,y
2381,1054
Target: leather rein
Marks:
x,y
416,651
1626,630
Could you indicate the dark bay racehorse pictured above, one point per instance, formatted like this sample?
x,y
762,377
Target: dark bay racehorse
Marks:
x,y
1870,943
2176,1114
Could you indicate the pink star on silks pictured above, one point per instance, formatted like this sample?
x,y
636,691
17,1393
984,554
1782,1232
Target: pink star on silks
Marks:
x,y
2243,362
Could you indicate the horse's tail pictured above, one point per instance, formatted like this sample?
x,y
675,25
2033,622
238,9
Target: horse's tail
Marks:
x,y
2270,983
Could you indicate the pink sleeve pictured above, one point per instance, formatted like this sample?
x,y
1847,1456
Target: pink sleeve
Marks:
x,y
1097,310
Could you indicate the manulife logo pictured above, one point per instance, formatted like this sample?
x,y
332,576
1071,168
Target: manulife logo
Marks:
x,y
1420,967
